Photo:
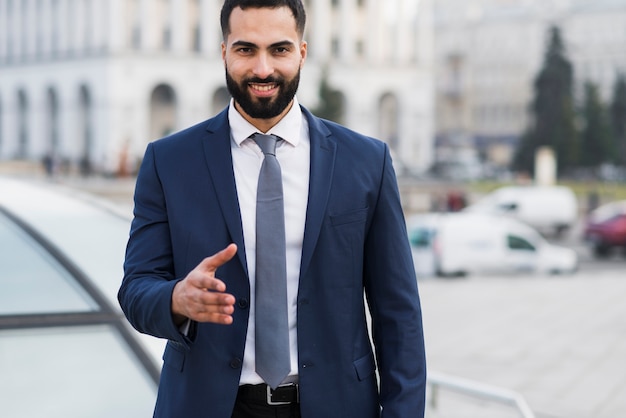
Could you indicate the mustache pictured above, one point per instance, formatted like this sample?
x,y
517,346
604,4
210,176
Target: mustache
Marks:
x,y
276,80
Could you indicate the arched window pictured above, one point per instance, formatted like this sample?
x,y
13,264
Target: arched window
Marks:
x,y
85,121
162,111
220,100
52,121
389,120
23,116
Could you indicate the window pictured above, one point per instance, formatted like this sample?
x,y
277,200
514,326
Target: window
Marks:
x,y
519,243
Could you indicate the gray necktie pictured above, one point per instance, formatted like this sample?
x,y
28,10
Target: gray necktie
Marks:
x,y
272,329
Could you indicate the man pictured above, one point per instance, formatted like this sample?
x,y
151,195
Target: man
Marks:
x,y
192,258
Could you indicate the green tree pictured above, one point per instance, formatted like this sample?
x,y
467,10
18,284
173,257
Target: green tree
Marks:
x,y
618,118
552,111
596,137
331,105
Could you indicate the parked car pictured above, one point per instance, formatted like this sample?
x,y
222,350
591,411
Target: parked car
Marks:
x,y
462,243
605,228
66,349
551,210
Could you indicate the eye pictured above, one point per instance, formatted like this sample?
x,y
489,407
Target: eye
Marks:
x,y
281,50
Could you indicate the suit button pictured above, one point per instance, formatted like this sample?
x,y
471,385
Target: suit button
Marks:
x,y
243,303
235,363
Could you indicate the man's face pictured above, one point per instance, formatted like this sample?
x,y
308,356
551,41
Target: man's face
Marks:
x,y
263,56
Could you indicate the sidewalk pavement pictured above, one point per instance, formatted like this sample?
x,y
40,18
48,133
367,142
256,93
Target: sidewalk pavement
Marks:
x,y
558,341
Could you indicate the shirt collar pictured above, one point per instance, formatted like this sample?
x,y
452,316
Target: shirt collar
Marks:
x,y
288,128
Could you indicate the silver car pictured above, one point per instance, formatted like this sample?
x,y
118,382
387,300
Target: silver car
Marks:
x,y
65,348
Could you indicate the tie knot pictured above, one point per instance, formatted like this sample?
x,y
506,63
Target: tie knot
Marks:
x,y
267,143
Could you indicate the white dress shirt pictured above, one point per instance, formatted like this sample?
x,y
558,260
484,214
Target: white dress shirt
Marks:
x,y
293,154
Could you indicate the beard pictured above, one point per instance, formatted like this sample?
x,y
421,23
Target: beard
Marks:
x,y
264,107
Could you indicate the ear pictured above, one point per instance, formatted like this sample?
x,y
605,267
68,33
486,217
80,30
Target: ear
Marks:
x,y
303,52
223,51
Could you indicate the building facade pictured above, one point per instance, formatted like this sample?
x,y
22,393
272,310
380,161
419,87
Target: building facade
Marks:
x,y
91,82
488,53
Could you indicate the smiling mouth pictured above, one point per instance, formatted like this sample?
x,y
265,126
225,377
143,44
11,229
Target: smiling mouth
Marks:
x,y
262,88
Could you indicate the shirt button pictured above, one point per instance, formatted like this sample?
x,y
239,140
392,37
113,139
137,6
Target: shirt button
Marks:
x,y
243,303
235,363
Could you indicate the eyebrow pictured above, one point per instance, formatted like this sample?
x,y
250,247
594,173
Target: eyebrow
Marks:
x,y
246,44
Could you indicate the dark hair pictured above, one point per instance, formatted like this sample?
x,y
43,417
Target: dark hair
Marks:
x,y
296,6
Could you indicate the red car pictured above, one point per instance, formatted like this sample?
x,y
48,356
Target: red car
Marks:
x,y
606,228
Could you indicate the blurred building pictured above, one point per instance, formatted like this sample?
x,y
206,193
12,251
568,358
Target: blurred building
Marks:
x,y
91,82
488,53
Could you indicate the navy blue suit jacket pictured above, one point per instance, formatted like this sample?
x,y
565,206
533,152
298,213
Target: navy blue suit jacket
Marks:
x,y
355,243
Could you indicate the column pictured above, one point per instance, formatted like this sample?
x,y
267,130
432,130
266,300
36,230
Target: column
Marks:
x,y
424,45
45,26
4,31
179,25
30,29
16,33
80,25
373,41
115,41
54,24
210,30
147,23
97,9
62,25
347,12
320,35
403,42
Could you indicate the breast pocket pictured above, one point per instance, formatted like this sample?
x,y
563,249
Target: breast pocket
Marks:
x,y
343,243
346,218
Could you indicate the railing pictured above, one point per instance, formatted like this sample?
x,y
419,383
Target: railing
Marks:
x,y
477,390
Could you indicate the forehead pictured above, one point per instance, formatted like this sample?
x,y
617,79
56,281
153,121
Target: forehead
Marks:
x,y
259,25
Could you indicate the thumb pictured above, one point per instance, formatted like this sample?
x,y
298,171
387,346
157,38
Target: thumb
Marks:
x,y
212,262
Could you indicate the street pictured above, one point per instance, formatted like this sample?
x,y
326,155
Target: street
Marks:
x,y
558,341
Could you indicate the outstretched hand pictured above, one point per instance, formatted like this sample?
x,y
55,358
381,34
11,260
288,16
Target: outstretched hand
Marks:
x,y
201,296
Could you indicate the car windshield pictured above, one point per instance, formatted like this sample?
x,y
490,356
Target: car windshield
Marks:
x,y
64,350
67,372
32,280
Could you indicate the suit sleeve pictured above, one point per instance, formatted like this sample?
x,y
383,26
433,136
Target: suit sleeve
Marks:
x,y
392,294
145,295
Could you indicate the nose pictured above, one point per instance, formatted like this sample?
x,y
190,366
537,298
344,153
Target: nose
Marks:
x,y
263,67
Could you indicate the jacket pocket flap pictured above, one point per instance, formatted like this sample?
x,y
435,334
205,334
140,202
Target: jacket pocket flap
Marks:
x,y
173,357
365,367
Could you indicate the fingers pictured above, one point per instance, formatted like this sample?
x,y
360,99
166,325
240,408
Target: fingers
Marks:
x,y
203,276
201,305
210,264
200,296
212,307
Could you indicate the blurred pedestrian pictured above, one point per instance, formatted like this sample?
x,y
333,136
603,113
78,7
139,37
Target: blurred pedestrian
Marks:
x,y
48,163
202,256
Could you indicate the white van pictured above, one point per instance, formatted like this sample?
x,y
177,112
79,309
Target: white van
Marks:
x,y
461,243
549,209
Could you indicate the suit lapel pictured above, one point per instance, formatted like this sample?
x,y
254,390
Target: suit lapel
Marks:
x,y
217,151
323,149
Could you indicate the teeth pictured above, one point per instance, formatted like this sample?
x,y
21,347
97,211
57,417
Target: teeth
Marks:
x,y
263,88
